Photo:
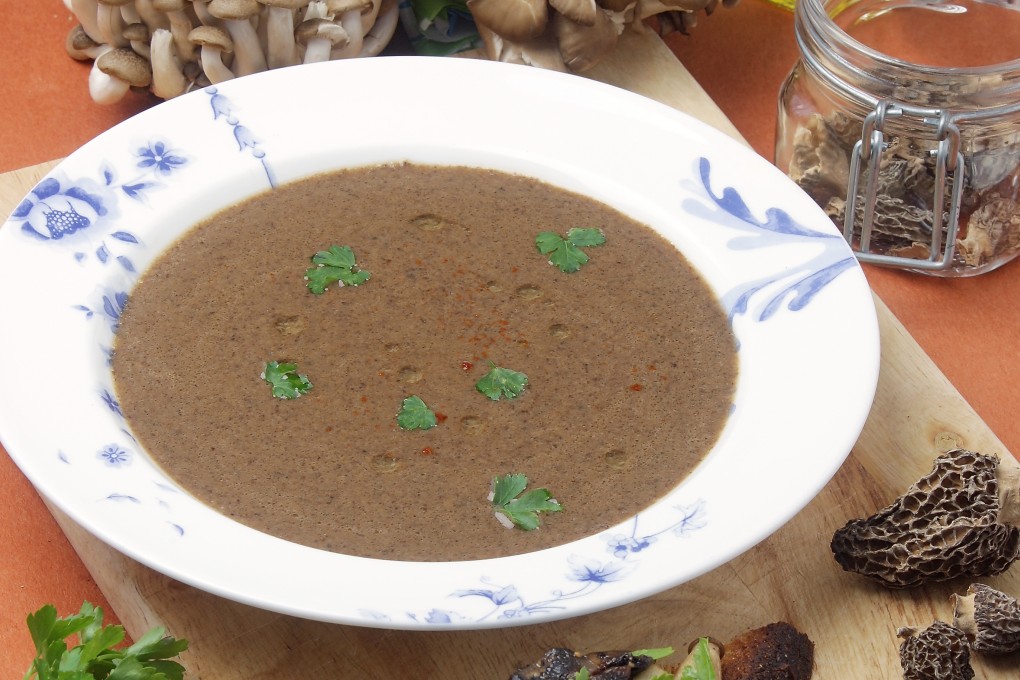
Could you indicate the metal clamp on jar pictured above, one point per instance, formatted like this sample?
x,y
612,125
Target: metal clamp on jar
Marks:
x,y
918,165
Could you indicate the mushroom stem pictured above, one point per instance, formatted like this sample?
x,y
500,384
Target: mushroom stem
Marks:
x,y
989,618
382,30
168,80
281,49
351,21
111,24
87,12
151,16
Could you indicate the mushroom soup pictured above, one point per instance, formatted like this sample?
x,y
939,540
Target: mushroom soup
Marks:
x,y
630,362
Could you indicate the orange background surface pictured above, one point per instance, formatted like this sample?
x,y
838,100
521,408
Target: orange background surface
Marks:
x,y
739,55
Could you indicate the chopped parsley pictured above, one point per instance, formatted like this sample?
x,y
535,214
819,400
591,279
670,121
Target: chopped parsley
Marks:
x,y
566,253
95,656
521,507
286,382
336,265
415,415
501,382
700,663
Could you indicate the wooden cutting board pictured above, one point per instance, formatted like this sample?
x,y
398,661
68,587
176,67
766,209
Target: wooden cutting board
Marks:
x,y
791,576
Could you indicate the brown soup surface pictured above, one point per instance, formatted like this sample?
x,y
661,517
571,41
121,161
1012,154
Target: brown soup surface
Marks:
x,y
631,363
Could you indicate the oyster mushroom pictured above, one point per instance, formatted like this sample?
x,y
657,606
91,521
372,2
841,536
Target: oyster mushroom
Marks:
x,y
319,36
514,20
213,42
236,16
382,29
989,618
281,48
168,79
959,520
938,651
581,46
578,11
115,72
541,52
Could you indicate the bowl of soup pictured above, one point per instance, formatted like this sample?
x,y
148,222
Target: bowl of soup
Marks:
x,y
417,343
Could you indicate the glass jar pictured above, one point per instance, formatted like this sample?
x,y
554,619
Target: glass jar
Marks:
x,y
915,158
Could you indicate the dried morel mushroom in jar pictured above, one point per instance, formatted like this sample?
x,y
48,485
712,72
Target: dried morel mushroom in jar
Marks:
x,y
961,519
938,652
904,210
990,618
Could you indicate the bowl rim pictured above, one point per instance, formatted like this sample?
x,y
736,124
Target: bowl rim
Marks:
x,y
819,296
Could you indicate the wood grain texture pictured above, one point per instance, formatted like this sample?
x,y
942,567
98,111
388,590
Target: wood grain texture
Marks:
x,y
790,576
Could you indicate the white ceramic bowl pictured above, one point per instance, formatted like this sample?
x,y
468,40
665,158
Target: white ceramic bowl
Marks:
x,y
800,307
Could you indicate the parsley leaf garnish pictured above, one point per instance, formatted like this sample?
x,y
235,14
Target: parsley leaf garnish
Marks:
x,y
655,653
566,253
286,382
501,382
519,506
334,265
415,415
94,657
699,663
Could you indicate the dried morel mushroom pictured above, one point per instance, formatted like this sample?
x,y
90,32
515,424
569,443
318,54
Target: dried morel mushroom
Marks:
x,y
989,618
563,664
574,35
939,652
777,651
959,520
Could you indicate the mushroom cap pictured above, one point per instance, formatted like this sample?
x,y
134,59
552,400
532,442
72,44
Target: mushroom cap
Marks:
x,y
317,29
616,5
79,45
116,3
584,46
990,618
515,20
938,651
137,32
168,5
579,11
340,6
126,65
286,4
946,525
234,9
211,36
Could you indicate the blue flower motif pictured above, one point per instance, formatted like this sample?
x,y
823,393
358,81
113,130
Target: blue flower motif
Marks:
x,y
114,456
244,137
53,211
498,597
156,155
111,402
591,571
621,545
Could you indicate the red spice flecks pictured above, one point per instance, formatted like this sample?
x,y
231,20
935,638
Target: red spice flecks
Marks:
x,y
466,365
636,387
363,399
427,451
515,269
441,417
329,428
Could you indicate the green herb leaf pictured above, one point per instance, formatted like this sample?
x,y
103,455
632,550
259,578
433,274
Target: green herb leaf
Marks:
x,y
582,674
655,653
701,668
415,415
336,265
565,253
519,506
94,657
286,382
501,382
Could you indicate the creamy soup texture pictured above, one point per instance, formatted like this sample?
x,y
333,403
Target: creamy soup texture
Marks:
x,y
631,363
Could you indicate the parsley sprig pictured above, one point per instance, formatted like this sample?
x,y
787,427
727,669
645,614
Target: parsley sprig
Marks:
x,y
286,382
94,657
415,415
501,382
336,265
521,507
565,252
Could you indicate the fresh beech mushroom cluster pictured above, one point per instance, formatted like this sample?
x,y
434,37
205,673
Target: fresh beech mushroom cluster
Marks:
x,y
961,519
574,35
172,46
